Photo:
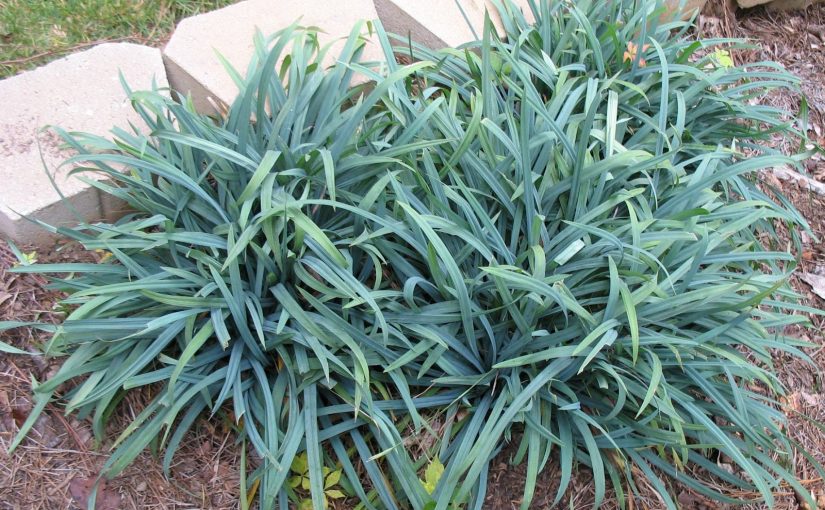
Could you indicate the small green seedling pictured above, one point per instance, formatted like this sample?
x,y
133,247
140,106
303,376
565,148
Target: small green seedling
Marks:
x,y
723,58
23,259
300,466
432,475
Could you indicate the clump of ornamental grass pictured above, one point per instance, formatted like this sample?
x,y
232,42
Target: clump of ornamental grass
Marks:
x,y
552,237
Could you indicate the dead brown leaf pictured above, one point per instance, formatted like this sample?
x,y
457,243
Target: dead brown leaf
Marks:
x,y
691,501
81,489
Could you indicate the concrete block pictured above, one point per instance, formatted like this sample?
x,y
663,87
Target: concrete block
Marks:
x,y
779,5
113,208
441,23
792,5
746,4
690,7
191,57
81,92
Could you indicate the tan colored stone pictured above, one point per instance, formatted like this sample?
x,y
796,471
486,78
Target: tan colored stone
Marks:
x,y
81,92
791,5
778,5
747,4
690,7
191,56
441,23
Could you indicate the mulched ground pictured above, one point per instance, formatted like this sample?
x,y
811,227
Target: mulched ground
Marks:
x,y
53,467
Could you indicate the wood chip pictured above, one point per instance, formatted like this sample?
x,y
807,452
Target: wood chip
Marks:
x,y
816,282
788,174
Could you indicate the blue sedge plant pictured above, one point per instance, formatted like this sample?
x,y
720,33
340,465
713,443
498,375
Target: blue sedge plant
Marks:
x,y
550,236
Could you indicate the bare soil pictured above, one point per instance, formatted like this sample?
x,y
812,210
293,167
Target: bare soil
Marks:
x,y
52,469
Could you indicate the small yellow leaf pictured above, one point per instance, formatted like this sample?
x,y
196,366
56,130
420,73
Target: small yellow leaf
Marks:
x,y
432,475
300,464
335,494
723,58
333,478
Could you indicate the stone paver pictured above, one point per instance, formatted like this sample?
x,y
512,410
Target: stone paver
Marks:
x,y
745,4
690,7
440,23
779,5
191,55
81,92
